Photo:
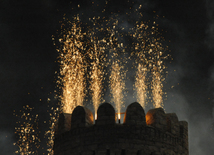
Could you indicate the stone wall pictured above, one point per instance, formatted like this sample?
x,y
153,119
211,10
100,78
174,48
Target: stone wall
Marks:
x,y
156,133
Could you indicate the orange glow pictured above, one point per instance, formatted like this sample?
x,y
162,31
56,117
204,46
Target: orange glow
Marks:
x,y
118,115
95,115
149,119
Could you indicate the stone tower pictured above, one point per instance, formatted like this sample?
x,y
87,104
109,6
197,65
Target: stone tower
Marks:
x,y
156,133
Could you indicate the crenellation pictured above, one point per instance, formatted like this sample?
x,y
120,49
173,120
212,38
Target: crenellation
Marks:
x,y
135,115
139,134
105,114
157,118
81,117
173,123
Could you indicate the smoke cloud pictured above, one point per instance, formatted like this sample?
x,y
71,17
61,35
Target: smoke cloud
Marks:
x,y
6,143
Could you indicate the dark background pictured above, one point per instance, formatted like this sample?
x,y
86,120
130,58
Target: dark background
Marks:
x,y
27,61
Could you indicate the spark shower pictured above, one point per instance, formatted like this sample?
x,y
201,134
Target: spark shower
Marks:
x,y
91,54
95,56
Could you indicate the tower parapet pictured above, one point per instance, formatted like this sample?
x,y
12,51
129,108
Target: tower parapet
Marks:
x,y
155,133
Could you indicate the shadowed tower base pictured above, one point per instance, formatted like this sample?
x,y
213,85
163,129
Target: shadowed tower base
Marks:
x,y
157,133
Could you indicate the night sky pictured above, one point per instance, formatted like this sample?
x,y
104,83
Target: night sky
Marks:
x,y
28,60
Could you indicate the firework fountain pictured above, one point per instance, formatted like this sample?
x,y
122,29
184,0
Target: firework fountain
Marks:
x,y
84,55
72,72
117,73
97,56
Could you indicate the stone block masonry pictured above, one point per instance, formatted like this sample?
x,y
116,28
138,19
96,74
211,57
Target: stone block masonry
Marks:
x,y
155,133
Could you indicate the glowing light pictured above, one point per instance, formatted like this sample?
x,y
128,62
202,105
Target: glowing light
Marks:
x,y
140,85
26,129
50,133
149,54
157,89
72,72
117,85
95,115
83,56
119,116
117,72
140,35
98,61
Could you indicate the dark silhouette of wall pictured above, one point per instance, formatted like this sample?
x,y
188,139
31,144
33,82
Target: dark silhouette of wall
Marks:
x,y
156,133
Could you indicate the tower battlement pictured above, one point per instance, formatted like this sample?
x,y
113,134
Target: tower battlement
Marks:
x,y
156,133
